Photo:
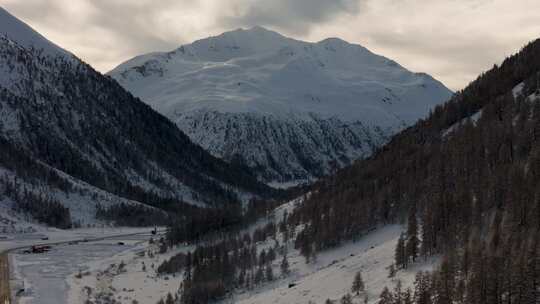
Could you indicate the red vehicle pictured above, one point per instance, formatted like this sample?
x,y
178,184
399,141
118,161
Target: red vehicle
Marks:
x,y
38,249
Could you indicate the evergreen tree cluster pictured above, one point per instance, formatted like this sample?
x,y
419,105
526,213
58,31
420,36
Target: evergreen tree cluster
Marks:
x,y
407,247
128,215
39,206
213,271
45,210
192,224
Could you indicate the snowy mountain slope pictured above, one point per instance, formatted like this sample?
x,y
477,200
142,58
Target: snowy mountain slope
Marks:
x,y
60,121
331,276
237,94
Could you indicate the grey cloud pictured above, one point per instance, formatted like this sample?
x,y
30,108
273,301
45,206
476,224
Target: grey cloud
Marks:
x,y
451,53
296,16
106,32
36,10
136,25
454,40
120,29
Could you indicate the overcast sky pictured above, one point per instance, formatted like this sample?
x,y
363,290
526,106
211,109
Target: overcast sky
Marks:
x,y
453,40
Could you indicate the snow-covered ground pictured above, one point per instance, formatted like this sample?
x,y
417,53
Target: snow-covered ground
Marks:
x,y
45,274
44,277
75,273
136,281
49,277
331,276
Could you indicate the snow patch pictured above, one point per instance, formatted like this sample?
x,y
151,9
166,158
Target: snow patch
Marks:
x,y
474,119
518,90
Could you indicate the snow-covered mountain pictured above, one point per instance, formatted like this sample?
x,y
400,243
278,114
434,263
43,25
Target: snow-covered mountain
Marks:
x,y
73,137
289,109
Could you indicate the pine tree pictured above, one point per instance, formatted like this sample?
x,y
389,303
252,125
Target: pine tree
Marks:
x,y
241,278
400,254
392,270
284,266
413,242
305,245
532,273
269,273
445,285
398,293
259,276
346,299
407,296
422,288
386,296
358,283
428,234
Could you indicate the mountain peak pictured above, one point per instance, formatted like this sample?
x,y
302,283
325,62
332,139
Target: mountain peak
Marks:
x,y
281,105
253,33
333,40
236,43
259,29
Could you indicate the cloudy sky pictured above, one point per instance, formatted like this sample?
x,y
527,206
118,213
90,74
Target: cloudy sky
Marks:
x,y
454,40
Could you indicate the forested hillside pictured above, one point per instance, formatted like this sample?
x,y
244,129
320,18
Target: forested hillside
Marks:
x,y
467,179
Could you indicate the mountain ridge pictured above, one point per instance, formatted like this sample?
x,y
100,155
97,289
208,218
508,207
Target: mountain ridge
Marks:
x,y
246,73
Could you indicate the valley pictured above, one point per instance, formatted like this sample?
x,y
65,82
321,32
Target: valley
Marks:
x,y
251,167
77,269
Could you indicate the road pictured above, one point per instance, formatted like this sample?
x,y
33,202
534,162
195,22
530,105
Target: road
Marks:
x,y
5,292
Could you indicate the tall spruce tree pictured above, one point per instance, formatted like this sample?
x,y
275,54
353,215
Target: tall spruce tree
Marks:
x,y
400,256
412,235
284,266
358,283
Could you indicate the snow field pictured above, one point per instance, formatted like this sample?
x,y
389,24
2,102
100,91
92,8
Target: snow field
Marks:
x,y
130,284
